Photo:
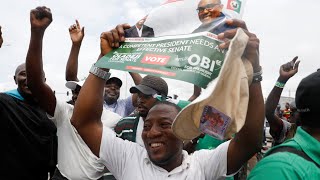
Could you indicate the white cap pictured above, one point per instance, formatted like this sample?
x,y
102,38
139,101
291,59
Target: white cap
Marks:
x,y
73,84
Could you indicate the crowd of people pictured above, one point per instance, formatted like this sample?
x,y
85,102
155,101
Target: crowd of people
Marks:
x,y
96,135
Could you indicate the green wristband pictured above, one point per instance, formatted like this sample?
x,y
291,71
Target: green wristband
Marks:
x,y
280,84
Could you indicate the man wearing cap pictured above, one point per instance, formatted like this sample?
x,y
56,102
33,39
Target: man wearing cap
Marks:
x,y
130,128
75,87
75,160
299,157
123,107
163,157
281,129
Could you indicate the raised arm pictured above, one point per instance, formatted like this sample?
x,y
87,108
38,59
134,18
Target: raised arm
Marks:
x,y
86,116
196,93
76,35
40,19
286,72
249,139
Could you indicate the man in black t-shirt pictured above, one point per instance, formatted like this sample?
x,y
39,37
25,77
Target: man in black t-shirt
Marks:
x,y
28,137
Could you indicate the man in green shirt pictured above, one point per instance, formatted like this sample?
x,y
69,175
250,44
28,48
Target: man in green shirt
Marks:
x,y
297,158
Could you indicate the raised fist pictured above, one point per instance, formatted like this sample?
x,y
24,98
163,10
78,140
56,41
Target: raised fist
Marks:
x,y
40,18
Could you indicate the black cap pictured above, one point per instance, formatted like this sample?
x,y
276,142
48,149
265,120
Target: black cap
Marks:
x,y
114,80
151,85
308,98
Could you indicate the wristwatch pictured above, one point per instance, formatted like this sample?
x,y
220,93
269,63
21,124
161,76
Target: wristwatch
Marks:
x,y
256,79
99,72
257,76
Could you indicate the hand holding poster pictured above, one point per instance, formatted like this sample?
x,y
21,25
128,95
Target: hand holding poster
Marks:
x,y
177,49
178,40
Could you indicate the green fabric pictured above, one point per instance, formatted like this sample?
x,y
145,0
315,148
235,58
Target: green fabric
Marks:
x,y
285,165
208,142
182,103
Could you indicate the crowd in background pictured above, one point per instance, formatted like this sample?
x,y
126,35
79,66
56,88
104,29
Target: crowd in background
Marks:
x,y
97,135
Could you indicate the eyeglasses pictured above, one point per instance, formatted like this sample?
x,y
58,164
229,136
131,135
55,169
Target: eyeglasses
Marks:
x,y
208,7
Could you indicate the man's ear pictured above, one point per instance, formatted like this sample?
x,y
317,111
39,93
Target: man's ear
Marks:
x,y
14,78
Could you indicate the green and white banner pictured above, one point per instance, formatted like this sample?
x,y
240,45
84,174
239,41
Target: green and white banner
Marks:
x,y
194,58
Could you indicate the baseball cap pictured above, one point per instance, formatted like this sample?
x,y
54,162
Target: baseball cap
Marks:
x,y
151,85
73,84
114,80
308,97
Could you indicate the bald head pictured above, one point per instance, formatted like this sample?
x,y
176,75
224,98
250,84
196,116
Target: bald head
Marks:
x,y
209,2
21,67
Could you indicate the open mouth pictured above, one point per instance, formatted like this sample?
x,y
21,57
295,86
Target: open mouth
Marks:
x,y
207,16
25,86
111,94
156,146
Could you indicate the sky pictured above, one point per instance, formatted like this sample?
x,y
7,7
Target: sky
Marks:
x,y
286,28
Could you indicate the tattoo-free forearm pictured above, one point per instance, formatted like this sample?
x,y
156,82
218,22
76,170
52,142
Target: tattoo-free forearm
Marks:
x,y
72,64
270,107
248,140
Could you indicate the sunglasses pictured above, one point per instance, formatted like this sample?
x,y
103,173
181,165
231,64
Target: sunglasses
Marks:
x,y
208,7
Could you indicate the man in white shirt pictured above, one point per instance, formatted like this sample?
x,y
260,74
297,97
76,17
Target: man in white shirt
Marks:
x,y
161,146
75,159
163,156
